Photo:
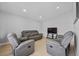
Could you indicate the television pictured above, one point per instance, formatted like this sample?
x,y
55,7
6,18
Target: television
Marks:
x,y
52,30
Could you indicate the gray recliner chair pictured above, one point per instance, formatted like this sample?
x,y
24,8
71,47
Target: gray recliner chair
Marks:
x,y
58,47
20,48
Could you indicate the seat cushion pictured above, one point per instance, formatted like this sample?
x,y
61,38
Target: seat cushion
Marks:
x,y
29,33
36,37
32,34
23,39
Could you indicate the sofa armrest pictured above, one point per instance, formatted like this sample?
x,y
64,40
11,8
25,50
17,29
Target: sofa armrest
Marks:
x,y
23,39
41,34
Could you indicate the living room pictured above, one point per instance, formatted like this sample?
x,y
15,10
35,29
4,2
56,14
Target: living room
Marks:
x,y
21,17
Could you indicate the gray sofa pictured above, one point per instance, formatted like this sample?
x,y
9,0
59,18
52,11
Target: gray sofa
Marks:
x,y
32,34
20,48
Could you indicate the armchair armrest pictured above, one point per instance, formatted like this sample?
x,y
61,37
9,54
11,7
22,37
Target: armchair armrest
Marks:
x,y
53,42
41,34
25,43
25,48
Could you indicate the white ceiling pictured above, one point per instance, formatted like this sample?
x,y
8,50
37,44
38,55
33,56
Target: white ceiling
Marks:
x,y
36,10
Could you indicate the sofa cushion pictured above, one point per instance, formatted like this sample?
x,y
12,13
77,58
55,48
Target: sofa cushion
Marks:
x,y
36,37
32,34
29,33
23,39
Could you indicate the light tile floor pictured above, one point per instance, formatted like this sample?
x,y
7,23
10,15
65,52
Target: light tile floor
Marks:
x,y
40,48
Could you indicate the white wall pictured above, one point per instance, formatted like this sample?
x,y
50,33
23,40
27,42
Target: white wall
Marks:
x,y
10,23
63,22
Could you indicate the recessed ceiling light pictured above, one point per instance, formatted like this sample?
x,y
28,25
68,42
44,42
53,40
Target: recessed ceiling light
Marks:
x,y
57,7
40,17
24,10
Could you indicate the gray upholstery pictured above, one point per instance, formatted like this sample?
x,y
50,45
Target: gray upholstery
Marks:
x,y
13,40
23,39
25,48
32,34
54,48
67,37
22,48
58,48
